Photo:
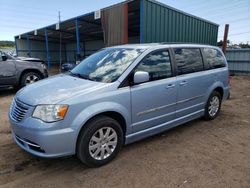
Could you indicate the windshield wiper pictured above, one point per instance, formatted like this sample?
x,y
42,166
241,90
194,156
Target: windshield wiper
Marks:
x,y
81,76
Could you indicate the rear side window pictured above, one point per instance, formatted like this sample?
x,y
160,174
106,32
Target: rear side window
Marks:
x,y
157,64
188,60
214,58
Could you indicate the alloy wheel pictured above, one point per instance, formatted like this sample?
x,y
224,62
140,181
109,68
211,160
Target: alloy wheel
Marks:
x,y
214,105
31,79
103,143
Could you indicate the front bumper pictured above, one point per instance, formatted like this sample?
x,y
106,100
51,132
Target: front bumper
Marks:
x,y
45,74
40,142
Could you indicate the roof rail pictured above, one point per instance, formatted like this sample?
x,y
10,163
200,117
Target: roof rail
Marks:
x,y
180,43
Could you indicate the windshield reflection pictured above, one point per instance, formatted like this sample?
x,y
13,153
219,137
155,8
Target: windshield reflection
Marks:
x,y
106,65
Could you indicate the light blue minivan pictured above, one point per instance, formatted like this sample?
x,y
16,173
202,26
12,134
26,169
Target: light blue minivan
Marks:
x,y
117,96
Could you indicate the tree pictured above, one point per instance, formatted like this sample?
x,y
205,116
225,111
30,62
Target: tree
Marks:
x,y
221,42
244,45
8,44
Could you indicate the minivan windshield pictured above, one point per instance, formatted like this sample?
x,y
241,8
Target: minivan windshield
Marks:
x,y
106,65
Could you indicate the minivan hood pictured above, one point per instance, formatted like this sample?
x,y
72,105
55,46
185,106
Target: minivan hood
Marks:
x,y
56,89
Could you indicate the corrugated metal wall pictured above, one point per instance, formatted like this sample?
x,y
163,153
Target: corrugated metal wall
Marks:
x,y
115,25
87,48
238,60
160,23
38,50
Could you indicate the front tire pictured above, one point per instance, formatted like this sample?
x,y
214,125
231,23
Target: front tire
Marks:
x,y
100,141
29,78
213,106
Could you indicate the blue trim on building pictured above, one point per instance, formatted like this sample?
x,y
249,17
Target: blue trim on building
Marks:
x,y
54,25
47,47
28,45
77,38
141,21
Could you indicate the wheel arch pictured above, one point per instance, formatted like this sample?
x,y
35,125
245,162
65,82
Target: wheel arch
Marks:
x,y
217,86
220,90
27,71
112,114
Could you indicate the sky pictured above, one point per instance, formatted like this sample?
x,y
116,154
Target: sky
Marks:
x,y
20,16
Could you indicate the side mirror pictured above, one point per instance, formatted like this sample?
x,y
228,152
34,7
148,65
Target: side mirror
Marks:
x,y
140,77
4,58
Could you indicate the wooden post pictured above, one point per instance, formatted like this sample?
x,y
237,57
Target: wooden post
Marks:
x,y
224,45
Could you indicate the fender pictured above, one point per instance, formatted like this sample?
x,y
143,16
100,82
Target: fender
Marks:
x,y
99,108
22,66
212,88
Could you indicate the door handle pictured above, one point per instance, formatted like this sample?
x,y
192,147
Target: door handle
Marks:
x,y
183,83
170,86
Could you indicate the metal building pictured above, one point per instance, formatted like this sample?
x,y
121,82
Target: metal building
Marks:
x,y
238,61
132,21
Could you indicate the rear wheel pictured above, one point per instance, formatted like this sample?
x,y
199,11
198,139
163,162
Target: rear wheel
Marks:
x,y
100,141
29,78
213,106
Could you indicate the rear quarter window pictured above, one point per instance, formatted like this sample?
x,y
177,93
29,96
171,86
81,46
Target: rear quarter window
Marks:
x,y
214,58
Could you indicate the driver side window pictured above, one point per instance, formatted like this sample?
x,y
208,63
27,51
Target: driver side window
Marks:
x,y
157,64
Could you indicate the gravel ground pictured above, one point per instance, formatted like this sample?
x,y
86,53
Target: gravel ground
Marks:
x,y
197,154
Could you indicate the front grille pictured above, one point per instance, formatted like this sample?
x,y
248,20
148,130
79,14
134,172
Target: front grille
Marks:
x,y
18,110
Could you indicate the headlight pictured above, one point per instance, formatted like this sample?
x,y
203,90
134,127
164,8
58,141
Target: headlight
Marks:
x,y
50,113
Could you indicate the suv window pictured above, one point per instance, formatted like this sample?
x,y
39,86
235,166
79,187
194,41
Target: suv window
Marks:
x,y
157,64
188,60
214,58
